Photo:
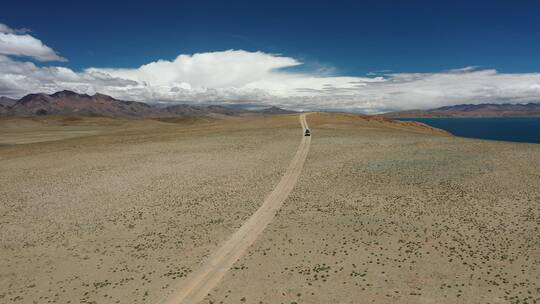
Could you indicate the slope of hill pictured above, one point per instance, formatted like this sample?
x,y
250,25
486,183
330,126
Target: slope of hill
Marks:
x,y
68,103
472,110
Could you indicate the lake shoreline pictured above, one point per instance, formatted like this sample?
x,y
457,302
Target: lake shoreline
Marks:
x,y
509,129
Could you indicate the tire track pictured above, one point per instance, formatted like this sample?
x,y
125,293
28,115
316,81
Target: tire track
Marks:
x,y
200,283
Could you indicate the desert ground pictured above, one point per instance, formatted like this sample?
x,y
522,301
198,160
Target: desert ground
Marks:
x,y
99,210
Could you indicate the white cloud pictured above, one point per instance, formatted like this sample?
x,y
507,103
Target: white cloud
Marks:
x,y
18,43
18,78
231,75
235,76
225,69
6,29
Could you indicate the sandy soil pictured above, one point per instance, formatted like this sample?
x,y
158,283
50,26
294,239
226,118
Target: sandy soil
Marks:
x,y
382,213
24,131
382,216
198,284
119,217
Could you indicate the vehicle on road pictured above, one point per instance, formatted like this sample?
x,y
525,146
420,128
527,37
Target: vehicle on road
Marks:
x,y
307,133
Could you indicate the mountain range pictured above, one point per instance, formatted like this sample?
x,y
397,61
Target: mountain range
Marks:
x,y
472,110
68,103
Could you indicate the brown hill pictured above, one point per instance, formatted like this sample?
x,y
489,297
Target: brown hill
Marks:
x,y
74,104
68,103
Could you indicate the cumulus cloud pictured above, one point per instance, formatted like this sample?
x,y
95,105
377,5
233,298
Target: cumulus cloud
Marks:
x,y
233,75
236,76
18,43
225,69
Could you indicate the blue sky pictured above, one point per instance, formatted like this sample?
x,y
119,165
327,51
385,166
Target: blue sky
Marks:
x,y
356,37
334,38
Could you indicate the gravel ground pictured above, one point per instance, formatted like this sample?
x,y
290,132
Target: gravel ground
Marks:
x,y
119,217
382,213
386,216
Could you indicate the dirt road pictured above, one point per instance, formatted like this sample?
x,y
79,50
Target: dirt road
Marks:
x,y
201,282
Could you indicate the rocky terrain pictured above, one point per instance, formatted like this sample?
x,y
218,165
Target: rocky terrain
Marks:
x,y
472,110
100,210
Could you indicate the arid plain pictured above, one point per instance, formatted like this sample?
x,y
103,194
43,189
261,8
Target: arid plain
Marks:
x,y
97,210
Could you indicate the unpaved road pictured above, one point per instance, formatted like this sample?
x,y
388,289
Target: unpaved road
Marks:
x,y
201,282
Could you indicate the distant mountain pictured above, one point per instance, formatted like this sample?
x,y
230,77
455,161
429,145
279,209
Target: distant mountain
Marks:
x,y
68,103
217,109
6,101
185,110
74,104
275,110
472,110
